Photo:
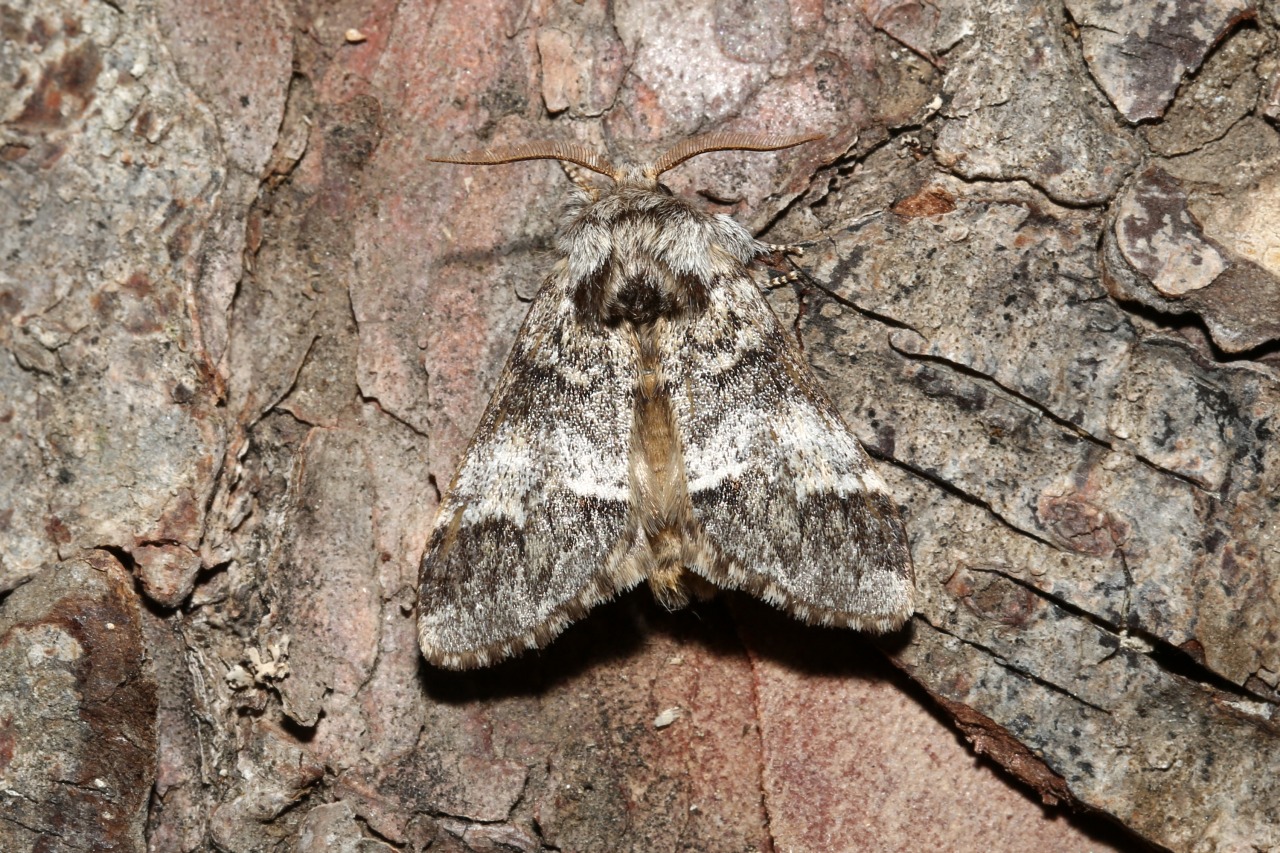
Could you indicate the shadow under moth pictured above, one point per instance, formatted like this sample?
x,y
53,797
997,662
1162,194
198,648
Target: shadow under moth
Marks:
x,y
654,422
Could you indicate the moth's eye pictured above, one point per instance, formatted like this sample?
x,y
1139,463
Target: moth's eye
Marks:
x,y
665,190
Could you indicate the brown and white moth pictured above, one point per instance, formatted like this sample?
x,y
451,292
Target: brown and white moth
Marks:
x,y
654,422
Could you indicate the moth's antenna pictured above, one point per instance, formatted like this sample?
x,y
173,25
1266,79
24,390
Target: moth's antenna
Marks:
x,y
571,152
724,141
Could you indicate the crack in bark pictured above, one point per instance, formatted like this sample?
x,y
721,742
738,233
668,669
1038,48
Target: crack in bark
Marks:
x,y
197,667
1165,319
883,319
955,491
1065,203
13,792
40,832
1043,409
281,166
1030,402
1168,657
799,200
846,165
1175,661
1160,469
275,405
759,724
1126,613
1061,603
1004,663
373,398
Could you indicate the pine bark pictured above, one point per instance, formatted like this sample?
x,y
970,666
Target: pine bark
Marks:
x,y
248,330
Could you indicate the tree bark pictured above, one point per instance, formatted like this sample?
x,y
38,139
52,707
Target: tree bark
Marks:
x,y
248,330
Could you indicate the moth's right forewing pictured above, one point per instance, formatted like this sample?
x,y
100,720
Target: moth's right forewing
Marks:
x,y
537,525
786,502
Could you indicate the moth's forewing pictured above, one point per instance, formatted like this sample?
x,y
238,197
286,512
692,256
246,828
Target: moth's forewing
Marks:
x,y
785,496
537,525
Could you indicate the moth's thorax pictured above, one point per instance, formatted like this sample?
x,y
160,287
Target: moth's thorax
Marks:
x,y
635,252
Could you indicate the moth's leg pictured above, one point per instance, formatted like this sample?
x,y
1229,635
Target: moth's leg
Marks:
x,y
578,176
778,280
783,249
800,284
774,256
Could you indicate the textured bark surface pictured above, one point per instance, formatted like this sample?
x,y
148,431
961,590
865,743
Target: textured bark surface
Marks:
x,y
247,331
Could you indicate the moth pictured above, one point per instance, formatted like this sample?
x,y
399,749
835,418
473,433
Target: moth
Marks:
x,y
654,422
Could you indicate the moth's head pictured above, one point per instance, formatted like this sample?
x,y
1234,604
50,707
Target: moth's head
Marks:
x,y
640,176
632,252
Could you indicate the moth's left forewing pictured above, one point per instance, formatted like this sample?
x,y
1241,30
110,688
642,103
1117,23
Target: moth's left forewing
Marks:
x,y
537,525
786,503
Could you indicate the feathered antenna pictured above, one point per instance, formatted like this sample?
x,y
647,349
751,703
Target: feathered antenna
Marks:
x,y
725,141
571,152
